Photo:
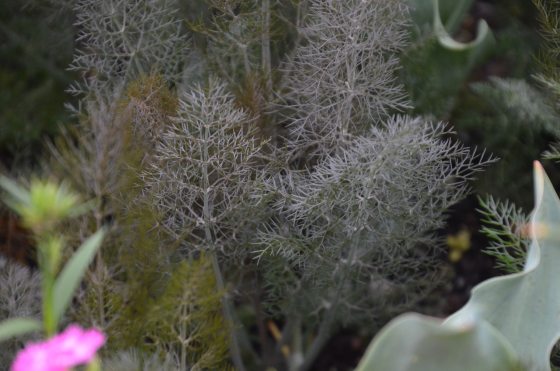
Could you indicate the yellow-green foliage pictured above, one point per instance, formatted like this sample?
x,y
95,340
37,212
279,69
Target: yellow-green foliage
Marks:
x,y
143,259
188,319
151,102
153,91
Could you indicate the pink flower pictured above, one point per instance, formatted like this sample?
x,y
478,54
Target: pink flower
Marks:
x,y
73,347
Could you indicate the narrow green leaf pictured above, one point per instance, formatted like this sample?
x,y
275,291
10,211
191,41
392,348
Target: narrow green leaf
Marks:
x,y
73,272
19,194
18,326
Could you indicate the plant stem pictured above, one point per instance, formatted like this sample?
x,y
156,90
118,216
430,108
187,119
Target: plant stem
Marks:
x,y
261,326
319,342
49,320
265,39
296,356
326,326
228,313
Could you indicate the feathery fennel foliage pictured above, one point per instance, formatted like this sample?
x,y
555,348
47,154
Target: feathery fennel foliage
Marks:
x,y
355,224
333,222
516,103
528,112
233,35
356,220
505,226
205,167
124,39
341,78
121,42
150,102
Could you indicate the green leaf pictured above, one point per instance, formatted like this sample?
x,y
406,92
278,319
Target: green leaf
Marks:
x,y
94,365
524,306
413,342
452,12
73,272
19,194
483,33
18,326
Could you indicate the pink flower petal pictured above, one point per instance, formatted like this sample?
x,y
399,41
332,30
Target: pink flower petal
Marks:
x,y
70,348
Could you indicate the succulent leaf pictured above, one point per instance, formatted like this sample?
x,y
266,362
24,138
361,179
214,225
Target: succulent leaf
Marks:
x,y
510,321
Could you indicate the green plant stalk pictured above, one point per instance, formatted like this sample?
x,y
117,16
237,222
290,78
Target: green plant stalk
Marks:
x,y
183,332
99,264
326,326
296,357
49,256
230,317
320,340
267,352
47,283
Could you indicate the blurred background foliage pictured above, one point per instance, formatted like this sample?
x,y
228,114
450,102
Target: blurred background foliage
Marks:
x,y
36,46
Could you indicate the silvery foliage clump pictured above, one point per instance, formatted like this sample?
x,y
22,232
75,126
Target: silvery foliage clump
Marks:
x,y
365,217
20,291
20,296
123,39
234,41
356,224
341,80
206,163
522,102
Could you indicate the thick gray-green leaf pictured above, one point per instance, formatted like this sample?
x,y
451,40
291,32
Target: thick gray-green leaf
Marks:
x,y
18,326
452,12
73,272
413,342
445,39
525,307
